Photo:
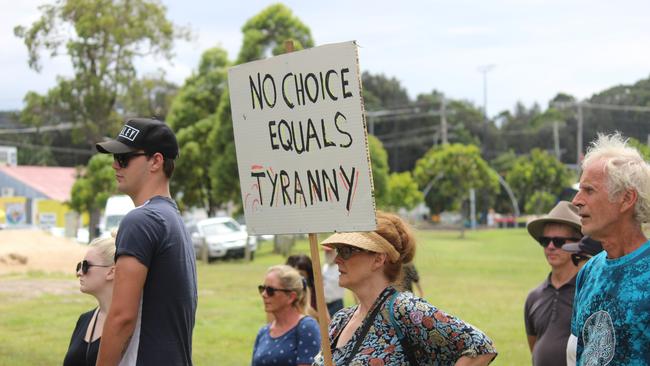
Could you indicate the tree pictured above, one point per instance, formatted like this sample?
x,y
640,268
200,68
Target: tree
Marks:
x,y
540,202
149,96
102,39
264,34
379,167
193,117
449,171
92,188
537,172
381,92
403,192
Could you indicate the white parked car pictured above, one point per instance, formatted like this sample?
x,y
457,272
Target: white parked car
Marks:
x,y
222,237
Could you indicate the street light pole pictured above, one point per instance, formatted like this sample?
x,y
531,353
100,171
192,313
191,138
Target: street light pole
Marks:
x,y
484,69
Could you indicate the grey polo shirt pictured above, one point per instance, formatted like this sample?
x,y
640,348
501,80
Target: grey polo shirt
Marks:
x,y
547,315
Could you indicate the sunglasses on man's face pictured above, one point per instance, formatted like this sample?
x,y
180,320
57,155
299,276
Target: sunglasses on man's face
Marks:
x,y
558,242
270,290
84,266
123,159
347,251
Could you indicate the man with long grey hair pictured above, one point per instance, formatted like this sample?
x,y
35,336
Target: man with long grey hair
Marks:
x,y
611,312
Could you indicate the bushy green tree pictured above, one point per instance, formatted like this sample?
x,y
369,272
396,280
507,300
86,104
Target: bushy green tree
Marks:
x,y
403,192
540,202
193,115
94,184
449,171
537,172
264,35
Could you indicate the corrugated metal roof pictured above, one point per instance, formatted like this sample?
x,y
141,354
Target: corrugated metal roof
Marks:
x,y
54,182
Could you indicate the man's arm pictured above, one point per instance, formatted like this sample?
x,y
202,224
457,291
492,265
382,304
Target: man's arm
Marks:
x,y
130,276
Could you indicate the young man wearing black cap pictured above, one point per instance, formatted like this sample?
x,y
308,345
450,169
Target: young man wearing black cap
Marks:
x,y
547,312
155,295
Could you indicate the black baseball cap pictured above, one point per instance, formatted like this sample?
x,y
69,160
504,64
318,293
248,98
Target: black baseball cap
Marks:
x,y
146,134
586,245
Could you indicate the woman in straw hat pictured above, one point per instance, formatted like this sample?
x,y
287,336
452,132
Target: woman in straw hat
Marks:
x,y
291,338
389,327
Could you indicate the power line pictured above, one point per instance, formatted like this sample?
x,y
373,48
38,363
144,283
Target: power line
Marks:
x,y
18,131
68,150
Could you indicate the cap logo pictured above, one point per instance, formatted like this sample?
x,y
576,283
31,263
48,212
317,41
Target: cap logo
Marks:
x,y
129,132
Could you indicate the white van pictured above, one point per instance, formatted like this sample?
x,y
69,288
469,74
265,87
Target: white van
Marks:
x,y
116,208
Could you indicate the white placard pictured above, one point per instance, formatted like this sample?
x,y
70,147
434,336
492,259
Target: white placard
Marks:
x,y
301,142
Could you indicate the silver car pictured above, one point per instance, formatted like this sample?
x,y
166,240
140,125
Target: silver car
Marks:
x,y
221,237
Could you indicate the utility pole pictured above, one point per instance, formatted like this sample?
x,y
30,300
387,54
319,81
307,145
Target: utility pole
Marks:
x,y
443,120
484,69
556,139
579,136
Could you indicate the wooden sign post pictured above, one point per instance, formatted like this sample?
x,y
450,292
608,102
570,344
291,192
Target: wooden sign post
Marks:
x,y
302,149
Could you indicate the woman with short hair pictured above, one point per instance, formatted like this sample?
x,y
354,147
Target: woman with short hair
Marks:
x,y
292,338
96,273
389,327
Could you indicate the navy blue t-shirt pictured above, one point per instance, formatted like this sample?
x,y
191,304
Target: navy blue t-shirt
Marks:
x,y
155,235
297,346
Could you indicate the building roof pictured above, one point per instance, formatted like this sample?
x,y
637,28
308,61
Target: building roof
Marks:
x,y
54,182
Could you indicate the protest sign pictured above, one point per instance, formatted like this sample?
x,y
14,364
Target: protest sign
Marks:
x,y
301,142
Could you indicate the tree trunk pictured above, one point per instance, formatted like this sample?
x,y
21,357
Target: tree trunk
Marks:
x,y
93,225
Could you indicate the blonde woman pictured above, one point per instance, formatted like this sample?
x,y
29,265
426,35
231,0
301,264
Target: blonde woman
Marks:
x,y
292,338
96,273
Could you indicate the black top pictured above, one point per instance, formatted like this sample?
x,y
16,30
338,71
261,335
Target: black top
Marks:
x,y
77,350
548,317
155,235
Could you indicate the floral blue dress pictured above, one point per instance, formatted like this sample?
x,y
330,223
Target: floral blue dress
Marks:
x,y
436,338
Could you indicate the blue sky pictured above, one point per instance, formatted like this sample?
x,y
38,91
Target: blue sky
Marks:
x,y
538,48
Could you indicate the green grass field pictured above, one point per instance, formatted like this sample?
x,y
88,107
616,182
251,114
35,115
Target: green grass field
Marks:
x,y
482,279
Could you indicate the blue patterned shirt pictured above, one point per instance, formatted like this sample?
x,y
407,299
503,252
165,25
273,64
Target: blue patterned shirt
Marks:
x,y
611,313
297,346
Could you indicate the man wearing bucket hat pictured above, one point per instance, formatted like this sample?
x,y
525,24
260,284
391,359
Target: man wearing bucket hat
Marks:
x,y
155,295
611,315
547,312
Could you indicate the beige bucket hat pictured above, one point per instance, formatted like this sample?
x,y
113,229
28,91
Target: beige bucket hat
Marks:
x,y
563,213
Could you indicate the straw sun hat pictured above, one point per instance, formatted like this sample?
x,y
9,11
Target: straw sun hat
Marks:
x,y
370,241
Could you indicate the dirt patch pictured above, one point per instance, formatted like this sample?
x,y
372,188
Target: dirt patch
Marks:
x,y
22,251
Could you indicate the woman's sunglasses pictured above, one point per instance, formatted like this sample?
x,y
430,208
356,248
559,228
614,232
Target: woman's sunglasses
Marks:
x,y
347,251
270,290
123,159
558,242
84,266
